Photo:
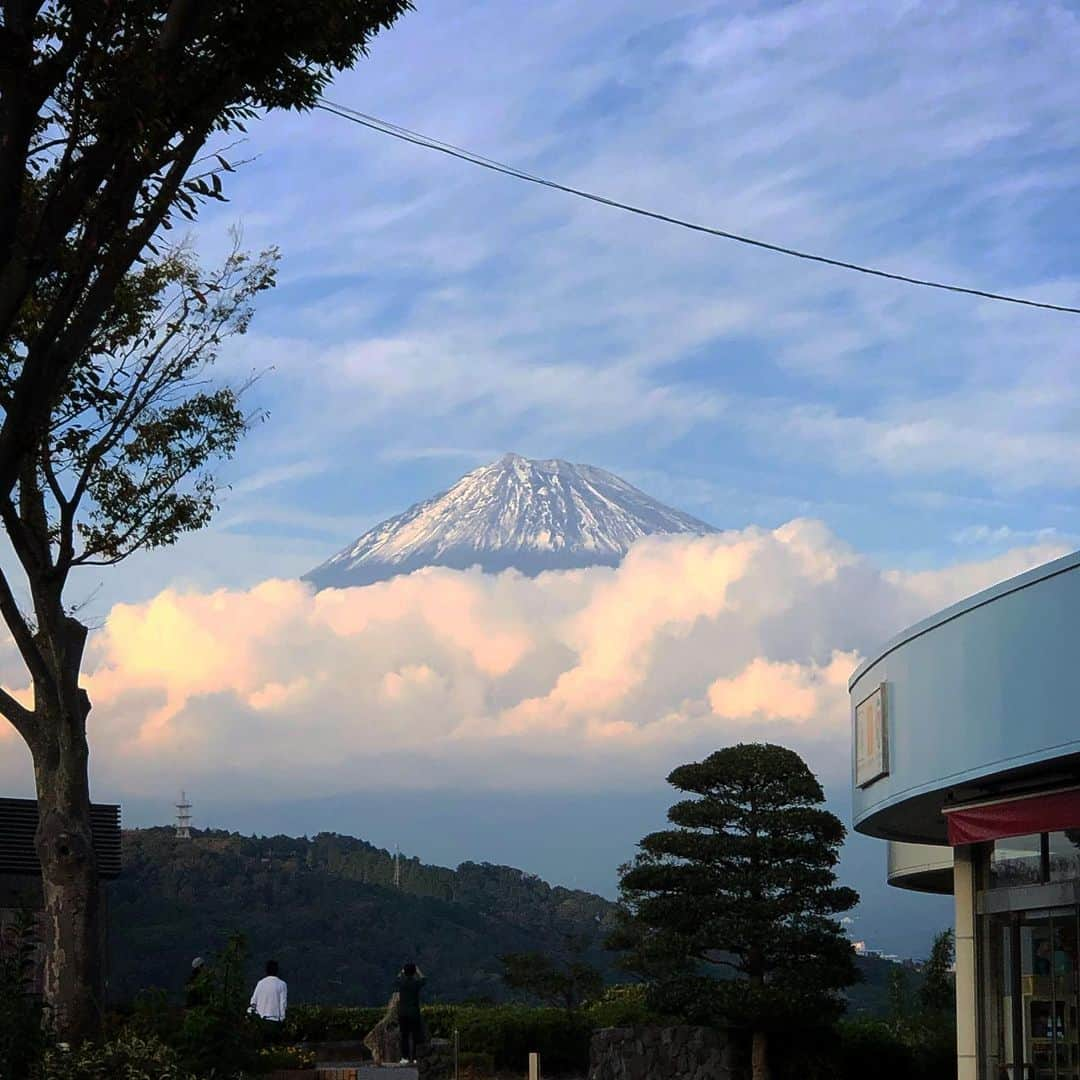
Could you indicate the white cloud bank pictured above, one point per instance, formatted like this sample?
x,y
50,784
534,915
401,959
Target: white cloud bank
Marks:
x,y
571,680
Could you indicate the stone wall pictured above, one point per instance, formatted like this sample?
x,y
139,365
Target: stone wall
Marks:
x,y
669,1053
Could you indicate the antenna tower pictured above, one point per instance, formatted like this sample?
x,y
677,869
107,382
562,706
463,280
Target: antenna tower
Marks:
x,y
397,868
183,818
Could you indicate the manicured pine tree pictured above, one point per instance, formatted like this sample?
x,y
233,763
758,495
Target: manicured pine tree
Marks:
x,y
744,882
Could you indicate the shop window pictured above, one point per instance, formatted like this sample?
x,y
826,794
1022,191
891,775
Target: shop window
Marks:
x,y
1064,855
1029,995
1017,860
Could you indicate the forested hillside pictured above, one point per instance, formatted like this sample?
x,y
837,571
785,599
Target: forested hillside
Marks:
x,y
328,910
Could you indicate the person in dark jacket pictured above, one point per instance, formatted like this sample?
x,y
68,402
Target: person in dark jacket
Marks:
x,y
409,984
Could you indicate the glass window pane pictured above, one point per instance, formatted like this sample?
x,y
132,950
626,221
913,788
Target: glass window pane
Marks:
x,y
1016,861
997,997
1065,855
1043,1011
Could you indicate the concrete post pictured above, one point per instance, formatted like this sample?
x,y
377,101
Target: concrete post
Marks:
x,y
967,1021
534,1067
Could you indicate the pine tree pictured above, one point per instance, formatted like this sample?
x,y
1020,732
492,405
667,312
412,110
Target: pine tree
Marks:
x,y
743,884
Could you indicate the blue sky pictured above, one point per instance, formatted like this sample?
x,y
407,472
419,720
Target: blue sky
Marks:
x,y
431,316
449,314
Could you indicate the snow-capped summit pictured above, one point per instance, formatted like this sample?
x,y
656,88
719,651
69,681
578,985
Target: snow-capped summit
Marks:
x,y
529,515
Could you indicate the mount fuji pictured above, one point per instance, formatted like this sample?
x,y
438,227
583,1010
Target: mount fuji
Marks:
x,y
514,513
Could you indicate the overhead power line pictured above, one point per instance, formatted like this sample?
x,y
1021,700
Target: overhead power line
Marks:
x,y
384,127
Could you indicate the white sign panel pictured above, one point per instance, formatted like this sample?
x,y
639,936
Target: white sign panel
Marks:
x,y
871,739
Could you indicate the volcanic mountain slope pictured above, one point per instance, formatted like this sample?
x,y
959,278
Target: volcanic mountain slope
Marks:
x,y
528,515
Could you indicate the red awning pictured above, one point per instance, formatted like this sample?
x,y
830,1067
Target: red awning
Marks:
x,y
1052,812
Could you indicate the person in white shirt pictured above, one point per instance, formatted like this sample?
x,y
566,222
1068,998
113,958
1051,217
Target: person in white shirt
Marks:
x,y
271,997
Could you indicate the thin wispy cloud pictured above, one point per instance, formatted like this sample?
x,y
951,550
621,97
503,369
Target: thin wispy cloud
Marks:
x,y
425,298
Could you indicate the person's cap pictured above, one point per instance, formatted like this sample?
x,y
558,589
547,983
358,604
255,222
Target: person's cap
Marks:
x,y
197,963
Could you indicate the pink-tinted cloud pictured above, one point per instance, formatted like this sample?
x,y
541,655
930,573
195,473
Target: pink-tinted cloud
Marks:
x,y
787,691
588,677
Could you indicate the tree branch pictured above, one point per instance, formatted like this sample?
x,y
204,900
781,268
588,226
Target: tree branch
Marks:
x,y
20,717
42,374
720,963
19,536
22,634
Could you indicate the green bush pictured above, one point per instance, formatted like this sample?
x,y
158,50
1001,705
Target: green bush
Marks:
x,y
330,1023
440,1020
275,1058
505,1034
861,1047
127,1057
509,1033
476,1065
870,1048
211,1040
219,1036
624,1006
23,1035
152,1015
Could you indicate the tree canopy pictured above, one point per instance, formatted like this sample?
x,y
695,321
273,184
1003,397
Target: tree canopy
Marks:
x,y
743,884
123,461
105,111
937,995
117,120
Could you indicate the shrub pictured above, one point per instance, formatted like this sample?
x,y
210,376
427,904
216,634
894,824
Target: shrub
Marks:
x,y
476,1066
503,1035
624,1006
490,1036
152,1015
23,1037
936,1060
510,1032
330,1023
212,1040
870,1048
272,1058
127,1057
220,1036
440,1020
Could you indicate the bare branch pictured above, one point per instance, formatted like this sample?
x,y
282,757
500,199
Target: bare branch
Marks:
x,y
20,717
23,635
712,959
40,374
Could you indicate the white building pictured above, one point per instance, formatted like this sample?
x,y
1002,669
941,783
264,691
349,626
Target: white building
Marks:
x,y
966,758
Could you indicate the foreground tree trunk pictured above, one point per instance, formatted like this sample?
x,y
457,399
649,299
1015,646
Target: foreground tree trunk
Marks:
x,y
73,901
759,1056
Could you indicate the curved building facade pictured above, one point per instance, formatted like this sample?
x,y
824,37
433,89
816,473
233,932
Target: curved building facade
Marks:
x,y
966,758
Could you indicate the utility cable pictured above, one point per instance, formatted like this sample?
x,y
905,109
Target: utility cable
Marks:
x,y
384,127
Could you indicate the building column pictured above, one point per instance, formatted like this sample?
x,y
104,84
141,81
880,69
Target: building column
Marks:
x,y
967,1027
